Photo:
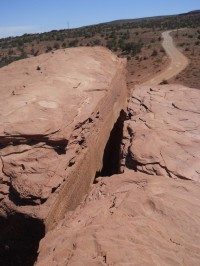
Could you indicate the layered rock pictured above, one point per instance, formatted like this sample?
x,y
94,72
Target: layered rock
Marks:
x,y
162,136
56,114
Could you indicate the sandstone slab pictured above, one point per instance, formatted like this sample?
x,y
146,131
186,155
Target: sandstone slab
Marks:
x,y
129,219
162,136
149,214
56,114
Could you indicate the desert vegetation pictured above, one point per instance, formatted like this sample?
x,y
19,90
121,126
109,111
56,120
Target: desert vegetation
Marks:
x,y
138,40
188,41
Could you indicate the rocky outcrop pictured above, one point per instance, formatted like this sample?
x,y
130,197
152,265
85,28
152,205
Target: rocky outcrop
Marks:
x,y
162,135
129,219
149,214
62,125
56,114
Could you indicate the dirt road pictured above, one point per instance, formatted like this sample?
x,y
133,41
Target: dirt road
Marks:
x,y
178,61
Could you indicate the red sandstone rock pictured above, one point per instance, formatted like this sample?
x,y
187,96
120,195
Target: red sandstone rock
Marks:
x,y
56,114
135,218
163,133
129,219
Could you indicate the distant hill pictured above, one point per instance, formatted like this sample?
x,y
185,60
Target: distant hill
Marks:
x,y
194,12
122,21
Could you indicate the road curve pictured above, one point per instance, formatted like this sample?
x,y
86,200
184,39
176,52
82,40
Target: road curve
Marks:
x,y
178,61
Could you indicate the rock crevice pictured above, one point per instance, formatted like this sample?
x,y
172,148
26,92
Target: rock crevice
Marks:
x,y
53,133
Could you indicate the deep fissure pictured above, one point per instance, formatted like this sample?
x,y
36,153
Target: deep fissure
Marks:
x,y
112,152
19,239
20,234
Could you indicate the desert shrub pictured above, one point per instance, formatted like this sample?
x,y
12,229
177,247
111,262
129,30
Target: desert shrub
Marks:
x,y
164,82
56,45
131,47
112,35
10,52
32,51
154,53
182,44
97,42
48,49
36,53
111,44
73,43
60,38
64,45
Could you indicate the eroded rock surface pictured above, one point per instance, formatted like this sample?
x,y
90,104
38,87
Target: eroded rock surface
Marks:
x,y
162,136
148,215
56,113
129,219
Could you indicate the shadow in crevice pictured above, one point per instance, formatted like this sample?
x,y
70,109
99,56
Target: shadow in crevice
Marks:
x,y
19,239
112,152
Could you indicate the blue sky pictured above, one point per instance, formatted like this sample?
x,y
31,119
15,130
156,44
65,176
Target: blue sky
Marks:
x,y
30,16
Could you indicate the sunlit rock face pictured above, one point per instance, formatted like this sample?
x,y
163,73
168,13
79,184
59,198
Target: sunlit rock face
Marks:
x,y
148,214
56,114
162,136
